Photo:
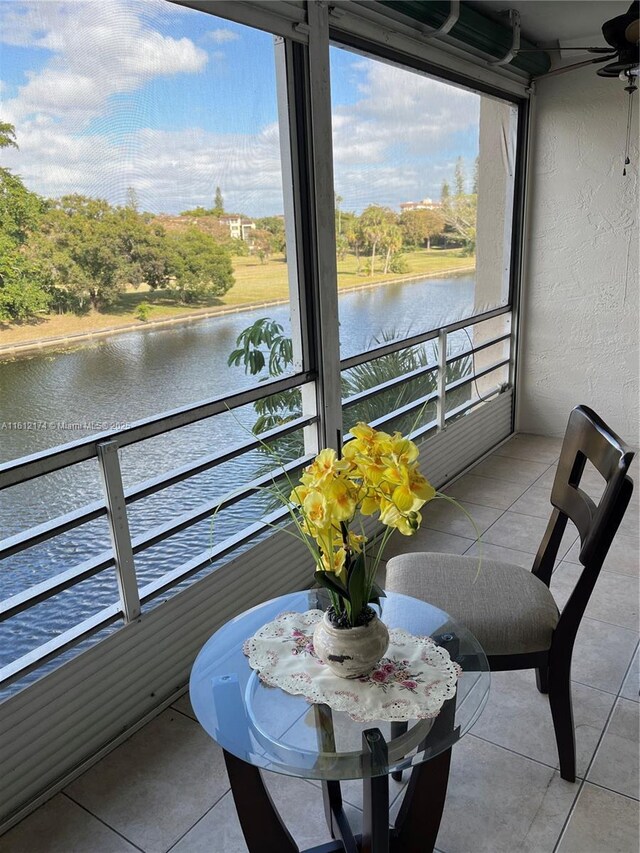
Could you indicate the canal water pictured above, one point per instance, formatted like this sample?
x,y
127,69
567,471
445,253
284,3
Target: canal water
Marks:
x,y
51,398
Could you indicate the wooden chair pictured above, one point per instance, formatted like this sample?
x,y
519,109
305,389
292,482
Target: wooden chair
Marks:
x,y
510,609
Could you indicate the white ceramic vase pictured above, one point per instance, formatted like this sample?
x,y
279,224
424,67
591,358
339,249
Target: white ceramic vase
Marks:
x,y
351,652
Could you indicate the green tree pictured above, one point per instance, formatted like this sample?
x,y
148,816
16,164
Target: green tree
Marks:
x,y
142,245
200,267
392,242
218,203
22,293
374,226
7,135
421,226
78,249
445,192
338,201
459,178
274,225
132,199
196,211
353,236
476,172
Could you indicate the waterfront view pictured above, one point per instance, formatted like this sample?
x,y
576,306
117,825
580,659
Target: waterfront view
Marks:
x,y
126,377
145,183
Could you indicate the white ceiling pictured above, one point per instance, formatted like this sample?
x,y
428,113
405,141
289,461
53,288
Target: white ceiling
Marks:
x,y
546,22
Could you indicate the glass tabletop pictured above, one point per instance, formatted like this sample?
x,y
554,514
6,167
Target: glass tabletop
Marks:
x,y
281,732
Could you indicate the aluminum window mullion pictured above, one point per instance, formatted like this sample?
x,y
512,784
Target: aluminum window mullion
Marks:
x,y
317,113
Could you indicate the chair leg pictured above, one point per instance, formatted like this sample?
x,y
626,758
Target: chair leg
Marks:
x,y
559,683
542,679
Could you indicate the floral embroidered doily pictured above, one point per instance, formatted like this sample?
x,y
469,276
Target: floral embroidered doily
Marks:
x,y
411,682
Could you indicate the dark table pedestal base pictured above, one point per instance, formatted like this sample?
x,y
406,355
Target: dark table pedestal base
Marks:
x,y
415,830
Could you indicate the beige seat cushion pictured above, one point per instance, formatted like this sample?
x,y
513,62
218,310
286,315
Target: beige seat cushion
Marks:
x,y
506,607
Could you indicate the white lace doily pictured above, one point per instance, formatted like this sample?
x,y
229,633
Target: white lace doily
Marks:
x,y
411,682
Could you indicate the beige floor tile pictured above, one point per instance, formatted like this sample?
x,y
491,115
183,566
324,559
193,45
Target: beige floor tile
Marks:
x,y
519,471
449,518
504,555
601,654
62,826
183,704
535,448
631,686
614,598
486,491
524,533
299,804
427,540
546,480
535,501
156,785
623,557
518,717
602,822
615,765
499,802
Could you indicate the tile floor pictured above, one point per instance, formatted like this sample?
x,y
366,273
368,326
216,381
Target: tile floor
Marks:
x,y
165,789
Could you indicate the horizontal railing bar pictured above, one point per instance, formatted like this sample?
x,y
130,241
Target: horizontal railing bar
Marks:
x,y
386,386
47,461
47,589
52,586
471,404
197,563
35,658
53,527
422,337
188,519
61,524
465,380
490,343
204,463
404,410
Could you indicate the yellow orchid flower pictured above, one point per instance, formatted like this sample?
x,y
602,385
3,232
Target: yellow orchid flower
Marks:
x,y
340,496
314,508
325,466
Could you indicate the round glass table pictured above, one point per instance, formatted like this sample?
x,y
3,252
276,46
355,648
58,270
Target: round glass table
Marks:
x,y
261,727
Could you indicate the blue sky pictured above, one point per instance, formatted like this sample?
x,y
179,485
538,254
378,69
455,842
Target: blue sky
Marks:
x,y
106,95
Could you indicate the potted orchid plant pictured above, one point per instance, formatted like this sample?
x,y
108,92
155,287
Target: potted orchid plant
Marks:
x,y
376,473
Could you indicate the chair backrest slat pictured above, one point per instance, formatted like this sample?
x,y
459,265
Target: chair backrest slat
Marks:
x,y
587,439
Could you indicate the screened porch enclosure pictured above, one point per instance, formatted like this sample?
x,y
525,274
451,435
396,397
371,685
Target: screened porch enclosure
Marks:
x,y
124,549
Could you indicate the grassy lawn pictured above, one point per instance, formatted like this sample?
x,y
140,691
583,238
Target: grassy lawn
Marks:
x,y
255,283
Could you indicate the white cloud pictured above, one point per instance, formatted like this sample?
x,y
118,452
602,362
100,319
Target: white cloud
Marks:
x,y
170,170
222,36
97,50
393,144
389,145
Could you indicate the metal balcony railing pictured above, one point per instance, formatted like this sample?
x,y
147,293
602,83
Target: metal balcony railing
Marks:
x,y
104,448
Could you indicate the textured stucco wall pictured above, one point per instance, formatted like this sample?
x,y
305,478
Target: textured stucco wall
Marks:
x,y
580,301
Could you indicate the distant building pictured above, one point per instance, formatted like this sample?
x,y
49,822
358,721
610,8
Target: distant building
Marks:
x,y
425,204
239,228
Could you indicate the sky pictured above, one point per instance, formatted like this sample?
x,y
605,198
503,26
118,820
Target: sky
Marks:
x,y
111,94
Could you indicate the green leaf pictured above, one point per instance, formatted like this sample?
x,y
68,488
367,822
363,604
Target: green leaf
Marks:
x,y
356,582
330,581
